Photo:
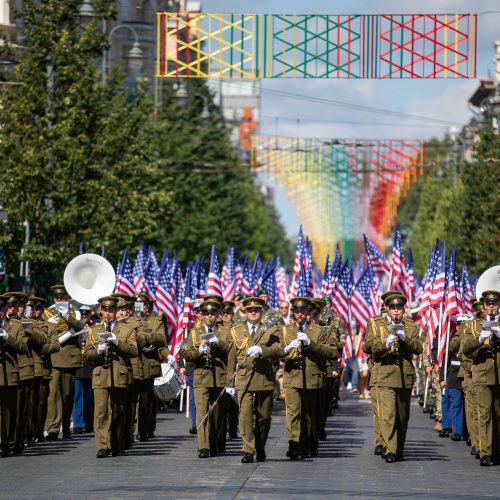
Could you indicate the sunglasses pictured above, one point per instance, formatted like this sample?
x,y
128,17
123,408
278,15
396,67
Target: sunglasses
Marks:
x,y
253,309
13,304
300,310
59,296
227,311
210,313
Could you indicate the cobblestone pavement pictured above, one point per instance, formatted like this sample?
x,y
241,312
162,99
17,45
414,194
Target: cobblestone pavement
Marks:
x,y
167,466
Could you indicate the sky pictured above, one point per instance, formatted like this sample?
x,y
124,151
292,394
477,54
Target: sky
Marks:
x,y
444,99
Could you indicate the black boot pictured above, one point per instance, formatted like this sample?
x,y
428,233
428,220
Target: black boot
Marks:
x,y
379,449
247,458
293,450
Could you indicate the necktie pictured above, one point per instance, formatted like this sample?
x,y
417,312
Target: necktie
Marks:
x,y
254,327
301,328
108,327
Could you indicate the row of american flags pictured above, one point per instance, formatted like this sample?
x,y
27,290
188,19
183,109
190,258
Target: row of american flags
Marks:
x,y
354,286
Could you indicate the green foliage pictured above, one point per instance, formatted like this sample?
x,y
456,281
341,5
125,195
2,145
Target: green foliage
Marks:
x,y
85,162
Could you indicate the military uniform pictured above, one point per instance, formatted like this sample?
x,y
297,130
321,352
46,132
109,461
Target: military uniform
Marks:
x,y
110,379
210,376
64,363
10,347
305,375
395,378
255,380
482,344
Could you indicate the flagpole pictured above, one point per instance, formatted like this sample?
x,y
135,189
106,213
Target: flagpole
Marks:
x,y
446,353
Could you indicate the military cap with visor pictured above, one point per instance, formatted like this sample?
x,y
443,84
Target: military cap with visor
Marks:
x,y
228,305
253,302
210,306
214,298
490,296
395,300
108,302
301,302
58,289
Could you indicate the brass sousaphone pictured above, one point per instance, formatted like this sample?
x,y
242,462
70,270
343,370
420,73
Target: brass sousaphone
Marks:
x,y
489,280
88,277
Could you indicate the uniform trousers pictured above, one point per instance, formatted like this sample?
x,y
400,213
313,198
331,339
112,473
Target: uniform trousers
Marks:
x,y
488,413
254,432
453,410
42,406
301,416
8,416
377,434
83,405
192,404
32,430
394,414
133,391
109,417
323,407
24,411
208,433
61,397
147,406
470,409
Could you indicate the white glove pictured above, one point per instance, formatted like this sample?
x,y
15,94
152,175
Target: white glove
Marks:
x,y
101,348
294,344
113,338
231,391
148,348
390,340
304,338
170,359
65,315
485,334
65,337
214,340
254,350
203,348
62,308
3,334
401,334
496,331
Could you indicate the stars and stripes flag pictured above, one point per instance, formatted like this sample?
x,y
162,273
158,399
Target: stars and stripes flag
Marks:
x,y
326,275
297,263
398,281
153,263
335,271
410,276
125,281
438,288
165,301
379,263
341,305
451,304
139,266
467,295
246,279
149,280
269,285
214,281
361,299
281,280
301,282
229,278
186,316
256,274
425,299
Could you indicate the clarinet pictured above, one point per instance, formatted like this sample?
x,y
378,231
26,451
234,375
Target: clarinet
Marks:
x,y
107,359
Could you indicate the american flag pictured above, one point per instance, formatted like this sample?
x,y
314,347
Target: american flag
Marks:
x,y
340,304
410,276
149,280
281,280
125,281
398,281
246,279
154,264
376,257
238,278
200,274
466,290
361,299
256,274
438,288
214,282
165,301
450,307
229,277
186,317
139,266
301,282
336,268
269,285
326,276
299,255
358,268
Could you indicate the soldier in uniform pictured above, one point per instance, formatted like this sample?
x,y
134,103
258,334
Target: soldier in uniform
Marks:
x,y
155,341
255,347
11,345
65,362
482,344
110,345
207,348
306,350
395,341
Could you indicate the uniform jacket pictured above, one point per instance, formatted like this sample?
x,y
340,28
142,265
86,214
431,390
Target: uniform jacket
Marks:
x,y
311,373
136,363
117,375
368,348
485,358
154,335
396,368
216,374
69,355
257,372
30,364
13,346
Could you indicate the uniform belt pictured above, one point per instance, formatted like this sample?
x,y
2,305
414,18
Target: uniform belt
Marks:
x,y
455,362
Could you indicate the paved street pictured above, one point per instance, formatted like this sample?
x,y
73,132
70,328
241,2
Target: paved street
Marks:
x,y
168,467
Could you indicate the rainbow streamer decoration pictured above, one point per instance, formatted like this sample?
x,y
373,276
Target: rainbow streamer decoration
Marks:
x,y
207,45
341,188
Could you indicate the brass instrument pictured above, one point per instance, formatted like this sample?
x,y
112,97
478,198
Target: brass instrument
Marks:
x,y
208,356
394,328
298,362
491,341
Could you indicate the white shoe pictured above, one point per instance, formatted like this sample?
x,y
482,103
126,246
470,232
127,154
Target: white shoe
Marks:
x,y
349,386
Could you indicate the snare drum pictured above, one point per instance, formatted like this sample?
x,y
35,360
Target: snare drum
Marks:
x,y
169,385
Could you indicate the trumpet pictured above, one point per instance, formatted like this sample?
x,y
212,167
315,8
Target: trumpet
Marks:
x,y
396,327
107,346
208,356
490,342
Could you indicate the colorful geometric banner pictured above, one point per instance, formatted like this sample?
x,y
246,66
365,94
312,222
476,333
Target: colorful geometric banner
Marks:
x,y
341,188
205,45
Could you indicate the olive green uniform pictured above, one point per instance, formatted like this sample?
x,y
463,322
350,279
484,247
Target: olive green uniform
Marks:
x,y
302,382
64,363
208,381
9,381
110,384
486,380
254,382
154,339
395,378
